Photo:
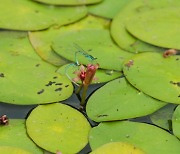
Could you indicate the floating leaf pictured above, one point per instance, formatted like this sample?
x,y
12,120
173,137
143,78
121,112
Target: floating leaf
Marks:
x,y
155,75
100,76
118,100
28,81
69,2
150,139
162,117
17,43
42,40
176,122
108,8
135,7
158,27
14,137
96,42
7,149
118,148
58,127
28,15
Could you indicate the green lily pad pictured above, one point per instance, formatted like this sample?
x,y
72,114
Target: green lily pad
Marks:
x,y
149,138
135,7
162,117
28,15
17,43
95,42
69,2
158,27
42,40
155,75
28,81
100,76
118,148
23,70
108,8
176,122
14,137
118,100
58,127
6,149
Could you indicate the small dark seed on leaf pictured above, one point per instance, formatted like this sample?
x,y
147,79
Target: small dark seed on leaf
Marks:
x,y
58,89
2,75
40,92
58,84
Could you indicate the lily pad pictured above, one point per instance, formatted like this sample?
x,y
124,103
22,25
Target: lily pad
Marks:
x,y
69,2
176,122
58,127
155,75
158,27
135,7
28,81
6,149
42,40
150,139
108,8
28,15
14,137
95,42
118,100
100,76
118,148
17,43
162,117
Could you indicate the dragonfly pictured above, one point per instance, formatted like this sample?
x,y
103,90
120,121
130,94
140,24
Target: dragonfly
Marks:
x,y
77,64
82,52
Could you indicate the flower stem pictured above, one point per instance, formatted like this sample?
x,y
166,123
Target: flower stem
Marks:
x,y
83,97
79,89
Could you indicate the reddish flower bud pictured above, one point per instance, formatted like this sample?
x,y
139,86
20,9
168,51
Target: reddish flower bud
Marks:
x,y
90,73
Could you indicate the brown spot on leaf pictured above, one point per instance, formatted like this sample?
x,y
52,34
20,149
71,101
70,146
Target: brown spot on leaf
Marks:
x,y
169,52
129,64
